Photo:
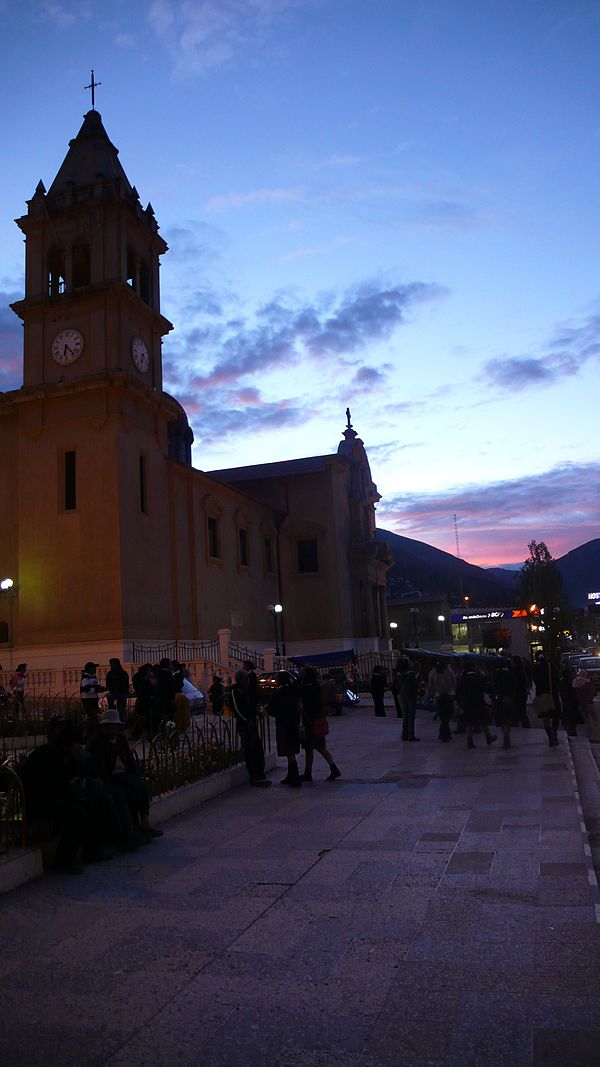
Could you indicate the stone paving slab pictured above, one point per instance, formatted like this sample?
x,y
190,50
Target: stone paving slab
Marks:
x,y
431,908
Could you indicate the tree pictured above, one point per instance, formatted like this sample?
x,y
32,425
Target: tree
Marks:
x,y
540,583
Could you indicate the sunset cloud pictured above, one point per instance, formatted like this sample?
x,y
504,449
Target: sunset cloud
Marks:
x,y
502,516
563,356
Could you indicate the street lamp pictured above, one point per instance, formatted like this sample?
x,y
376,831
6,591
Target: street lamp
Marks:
x,y
7,586
276,610
441,620
393,628
415,612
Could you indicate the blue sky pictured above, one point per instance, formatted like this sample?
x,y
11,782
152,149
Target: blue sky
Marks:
x,y
386,205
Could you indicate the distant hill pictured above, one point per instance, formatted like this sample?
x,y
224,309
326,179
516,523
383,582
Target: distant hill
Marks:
x,y
580,571
420,568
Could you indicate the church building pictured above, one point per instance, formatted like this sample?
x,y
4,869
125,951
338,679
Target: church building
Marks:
x,y
110,536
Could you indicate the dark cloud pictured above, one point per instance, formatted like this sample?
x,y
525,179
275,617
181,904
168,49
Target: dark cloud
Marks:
x,y
563,498
285,331
562,357
242,412
369,377
11,342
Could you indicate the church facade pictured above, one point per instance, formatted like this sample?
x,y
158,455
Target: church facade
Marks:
x,y
110,535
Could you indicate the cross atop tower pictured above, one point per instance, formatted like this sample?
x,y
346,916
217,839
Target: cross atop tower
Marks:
x,y
92,86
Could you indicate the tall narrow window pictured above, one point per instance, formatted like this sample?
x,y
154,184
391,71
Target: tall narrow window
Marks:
x,y
143,486
144,281
131,268
308,558
81,265
56,272
244,547
268,555
70,481
214,547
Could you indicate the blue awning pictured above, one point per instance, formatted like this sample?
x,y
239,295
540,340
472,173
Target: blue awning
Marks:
x,y
326,659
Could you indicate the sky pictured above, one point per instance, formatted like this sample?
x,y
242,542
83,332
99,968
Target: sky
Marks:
x,y
390,205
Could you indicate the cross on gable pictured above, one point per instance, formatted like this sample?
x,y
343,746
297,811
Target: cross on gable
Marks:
x,y
92,86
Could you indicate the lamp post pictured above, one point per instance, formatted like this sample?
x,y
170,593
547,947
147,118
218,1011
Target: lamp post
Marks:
x,y
393,628
7,586
415,612
276,610
441,620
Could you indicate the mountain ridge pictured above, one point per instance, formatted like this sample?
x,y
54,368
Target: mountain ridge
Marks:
x,y
421,569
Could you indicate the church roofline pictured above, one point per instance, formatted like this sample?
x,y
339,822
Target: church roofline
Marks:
x,y
278,469
91,156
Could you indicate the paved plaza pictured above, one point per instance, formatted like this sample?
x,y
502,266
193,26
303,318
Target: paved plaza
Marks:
x,y
433,907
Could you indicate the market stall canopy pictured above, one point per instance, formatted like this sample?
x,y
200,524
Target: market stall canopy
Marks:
x,y
326,659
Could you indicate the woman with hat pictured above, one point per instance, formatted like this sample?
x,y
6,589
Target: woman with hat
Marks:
x,y
114,763
89,688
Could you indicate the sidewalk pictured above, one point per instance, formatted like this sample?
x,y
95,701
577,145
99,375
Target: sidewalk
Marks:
x,y
433,907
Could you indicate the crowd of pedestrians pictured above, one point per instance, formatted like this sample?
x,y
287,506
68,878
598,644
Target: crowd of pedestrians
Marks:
x,y
477,693
299,707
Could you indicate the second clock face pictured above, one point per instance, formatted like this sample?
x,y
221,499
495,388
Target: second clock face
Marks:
x,y
67,346
139,355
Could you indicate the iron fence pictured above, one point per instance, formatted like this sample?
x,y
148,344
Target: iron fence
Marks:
x,y
241,654
182,651
13,826
167,761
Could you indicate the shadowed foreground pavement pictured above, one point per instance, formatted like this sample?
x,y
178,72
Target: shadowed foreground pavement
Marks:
x,y
433,907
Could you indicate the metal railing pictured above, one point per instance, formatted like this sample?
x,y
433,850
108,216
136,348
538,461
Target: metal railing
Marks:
x,y
241,654
183,651
13,825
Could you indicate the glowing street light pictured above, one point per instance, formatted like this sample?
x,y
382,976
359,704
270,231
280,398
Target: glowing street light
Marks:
x,y
441,620
276,610
7,586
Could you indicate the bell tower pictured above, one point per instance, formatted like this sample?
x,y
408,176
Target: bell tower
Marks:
x,y
92,293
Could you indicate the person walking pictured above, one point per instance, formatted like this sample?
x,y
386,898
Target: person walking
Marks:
x,y
441,685
396,689
117,685
470,693
216,695
547,696
165,691
245,715
520,691
504,702
571,711
316,727
408,695
17,684
377,689
583,688
284,706
144,687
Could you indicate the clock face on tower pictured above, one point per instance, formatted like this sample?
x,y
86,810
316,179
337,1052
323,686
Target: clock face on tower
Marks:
x,y
67,346
139,355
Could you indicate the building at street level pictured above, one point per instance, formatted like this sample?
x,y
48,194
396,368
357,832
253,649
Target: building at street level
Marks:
x,y
109,533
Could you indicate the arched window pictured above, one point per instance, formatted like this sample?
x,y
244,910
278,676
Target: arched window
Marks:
x,y
81,264
56,271
144,281
131,268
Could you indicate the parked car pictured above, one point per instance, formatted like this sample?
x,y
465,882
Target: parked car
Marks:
x,y
592,665
196,698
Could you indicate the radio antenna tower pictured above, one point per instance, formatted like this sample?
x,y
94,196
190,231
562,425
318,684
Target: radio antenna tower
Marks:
x,y
456,536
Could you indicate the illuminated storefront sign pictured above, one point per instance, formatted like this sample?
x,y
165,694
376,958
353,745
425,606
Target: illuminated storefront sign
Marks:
x,y
511,613
593,596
